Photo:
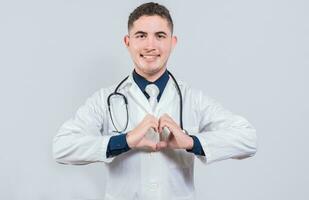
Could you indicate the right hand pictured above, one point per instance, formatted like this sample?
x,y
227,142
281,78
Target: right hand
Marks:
x,y
136,137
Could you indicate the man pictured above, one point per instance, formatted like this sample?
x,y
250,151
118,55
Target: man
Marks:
x,y
153,157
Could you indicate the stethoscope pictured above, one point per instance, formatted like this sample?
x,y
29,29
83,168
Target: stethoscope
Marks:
x,y
126,103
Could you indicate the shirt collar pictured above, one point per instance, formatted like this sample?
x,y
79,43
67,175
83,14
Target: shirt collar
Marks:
x,y
160,82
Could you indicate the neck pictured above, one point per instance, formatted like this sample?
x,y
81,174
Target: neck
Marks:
x,y
151,77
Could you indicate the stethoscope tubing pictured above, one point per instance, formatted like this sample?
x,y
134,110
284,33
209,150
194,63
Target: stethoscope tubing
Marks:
x,y
126,103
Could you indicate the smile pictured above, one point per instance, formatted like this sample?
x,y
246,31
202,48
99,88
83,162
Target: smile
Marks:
x,y
150,56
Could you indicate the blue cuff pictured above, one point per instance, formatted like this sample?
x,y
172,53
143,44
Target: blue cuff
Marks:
x,y
117,145
197,147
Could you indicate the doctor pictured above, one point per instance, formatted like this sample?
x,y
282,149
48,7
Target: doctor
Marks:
x,y
149,153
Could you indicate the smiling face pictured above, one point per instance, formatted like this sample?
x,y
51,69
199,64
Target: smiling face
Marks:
x,y
150,42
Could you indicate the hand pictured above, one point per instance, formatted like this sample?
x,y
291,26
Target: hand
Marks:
x,y
136,137
177,139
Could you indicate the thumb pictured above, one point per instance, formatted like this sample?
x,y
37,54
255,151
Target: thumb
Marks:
x,y
161,145
149,143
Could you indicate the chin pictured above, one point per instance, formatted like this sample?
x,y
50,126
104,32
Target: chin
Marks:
x,y
149,69
153,71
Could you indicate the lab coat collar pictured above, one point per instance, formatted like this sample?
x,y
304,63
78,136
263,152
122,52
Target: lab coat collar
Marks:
x,y
169,94
131,81
160,82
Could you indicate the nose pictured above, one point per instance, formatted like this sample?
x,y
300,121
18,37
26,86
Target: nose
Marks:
x,y
150,43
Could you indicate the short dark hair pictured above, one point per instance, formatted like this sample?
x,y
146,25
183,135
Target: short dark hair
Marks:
x,y
150,9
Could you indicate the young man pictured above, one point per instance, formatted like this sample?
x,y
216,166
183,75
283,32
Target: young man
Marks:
x,y
152,155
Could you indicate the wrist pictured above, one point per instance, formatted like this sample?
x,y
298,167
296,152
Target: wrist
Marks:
x,y
190,143
128,139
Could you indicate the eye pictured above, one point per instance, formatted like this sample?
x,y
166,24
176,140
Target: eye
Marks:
x,y
141,36
161,36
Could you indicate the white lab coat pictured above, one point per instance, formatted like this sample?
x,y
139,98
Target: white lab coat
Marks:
x,y
139,174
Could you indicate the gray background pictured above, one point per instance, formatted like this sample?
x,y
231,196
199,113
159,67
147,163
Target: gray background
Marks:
x,y
252,56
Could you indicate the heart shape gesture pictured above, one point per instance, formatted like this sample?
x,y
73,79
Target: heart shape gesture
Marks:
x,y
176,139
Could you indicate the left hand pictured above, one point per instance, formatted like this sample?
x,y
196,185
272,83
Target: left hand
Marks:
x,y
177,138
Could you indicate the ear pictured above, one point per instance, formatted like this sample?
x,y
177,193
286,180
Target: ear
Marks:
x,y
126,40
174,41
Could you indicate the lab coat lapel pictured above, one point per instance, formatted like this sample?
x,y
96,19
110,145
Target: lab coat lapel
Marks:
x,y
137,95
169,96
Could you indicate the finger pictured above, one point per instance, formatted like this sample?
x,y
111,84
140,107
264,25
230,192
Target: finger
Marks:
x,y
154,125
152,122
161,145
170,137
167,125
171,121
150,125
148,143
159,125
153,146
165,119
164,122
165,115
168,118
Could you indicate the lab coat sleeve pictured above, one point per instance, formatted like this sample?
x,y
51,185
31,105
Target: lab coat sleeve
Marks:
x,y
79,140
222,134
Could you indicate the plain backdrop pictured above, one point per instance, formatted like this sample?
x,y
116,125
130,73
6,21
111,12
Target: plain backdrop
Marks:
x,y
252,56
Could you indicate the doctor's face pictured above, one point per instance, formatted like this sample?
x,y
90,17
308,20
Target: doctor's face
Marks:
x,y
150,43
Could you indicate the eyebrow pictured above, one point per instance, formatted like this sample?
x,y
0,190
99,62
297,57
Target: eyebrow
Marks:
x,y
140,32
144,33
161,32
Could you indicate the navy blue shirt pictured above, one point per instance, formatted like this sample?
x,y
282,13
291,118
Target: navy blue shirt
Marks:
x,y
118,144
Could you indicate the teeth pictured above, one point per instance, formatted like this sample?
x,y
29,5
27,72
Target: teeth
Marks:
x,y
149,56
